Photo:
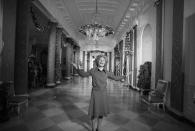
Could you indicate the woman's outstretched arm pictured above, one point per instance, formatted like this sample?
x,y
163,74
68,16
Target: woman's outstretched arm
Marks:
x,y
81,72
113,77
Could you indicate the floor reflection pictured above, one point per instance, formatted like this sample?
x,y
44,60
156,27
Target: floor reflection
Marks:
x,y
65,107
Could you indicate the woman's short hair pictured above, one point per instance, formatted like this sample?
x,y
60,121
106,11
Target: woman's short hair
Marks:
x,y
98,58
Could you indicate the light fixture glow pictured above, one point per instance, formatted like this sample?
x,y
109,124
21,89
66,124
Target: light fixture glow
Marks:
x,y
95,31
131,9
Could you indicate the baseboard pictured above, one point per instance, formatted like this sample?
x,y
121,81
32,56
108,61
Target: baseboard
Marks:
x,y
179,116
67,78
58,82
75,74
50,84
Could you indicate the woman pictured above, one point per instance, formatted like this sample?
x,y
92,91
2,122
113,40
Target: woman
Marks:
x,y
98,107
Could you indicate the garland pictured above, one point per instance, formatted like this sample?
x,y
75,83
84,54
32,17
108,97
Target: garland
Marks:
x,y
37,25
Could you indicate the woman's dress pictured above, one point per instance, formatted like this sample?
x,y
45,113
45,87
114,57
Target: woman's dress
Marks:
x,y
99,103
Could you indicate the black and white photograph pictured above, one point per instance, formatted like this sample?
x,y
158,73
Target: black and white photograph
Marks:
x,y
97,65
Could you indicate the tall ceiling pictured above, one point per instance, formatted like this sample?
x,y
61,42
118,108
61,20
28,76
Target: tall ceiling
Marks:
x,y
72,14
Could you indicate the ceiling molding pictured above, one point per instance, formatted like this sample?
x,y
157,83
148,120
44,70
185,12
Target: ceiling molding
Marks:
x,y
71,14
44,10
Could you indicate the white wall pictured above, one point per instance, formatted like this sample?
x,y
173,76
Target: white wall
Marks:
x,y
167,38
147,44
189,7
147,17
189,107
188,55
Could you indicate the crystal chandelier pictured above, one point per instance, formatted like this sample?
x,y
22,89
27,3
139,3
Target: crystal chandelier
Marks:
x,y
95,31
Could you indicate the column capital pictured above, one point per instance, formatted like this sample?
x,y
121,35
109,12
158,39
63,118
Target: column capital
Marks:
x,y
59,31
66,44
59,28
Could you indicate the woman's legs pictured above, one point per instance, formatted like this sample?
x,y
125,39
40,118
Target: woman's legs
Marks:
x,y
94,124
99,123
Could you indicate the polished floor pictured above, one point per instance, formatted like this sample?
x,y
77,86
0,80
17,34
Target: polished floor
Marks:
x,y
65,107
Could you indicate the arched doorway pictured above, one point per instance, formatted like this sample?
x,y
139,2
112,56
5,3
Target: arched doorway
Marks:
x,y
147,44
144,77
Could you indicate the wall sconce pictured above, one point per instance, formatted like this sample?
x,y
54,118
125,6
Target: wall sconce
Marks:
x,y
35,20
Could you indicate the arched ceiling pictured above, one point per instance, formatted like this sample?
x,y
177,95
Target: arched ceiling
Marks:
x,y
72,14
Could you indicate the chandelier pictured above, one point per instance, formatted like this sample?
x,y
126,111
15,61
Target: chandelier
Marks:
x,y
95,31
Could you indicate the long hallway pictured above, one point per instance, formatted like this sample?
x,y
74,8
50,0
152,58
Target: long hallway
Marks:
x,y
65,108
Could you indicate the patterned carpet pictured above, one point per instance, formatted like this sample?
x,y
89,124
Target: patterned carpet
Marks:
x,y
64,108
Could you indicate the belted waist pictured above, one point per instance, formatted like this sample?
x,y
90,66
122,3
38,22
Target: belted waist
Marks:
x,y
98,88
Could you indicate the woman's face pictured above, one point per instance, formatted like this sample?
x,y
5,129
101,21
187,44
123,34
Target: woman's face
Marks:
x,y
101,62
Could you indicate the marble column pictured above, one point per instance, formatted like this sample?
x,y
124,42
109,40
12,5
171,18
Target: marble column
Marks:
x,y
51,56
1,35
76,59
58,57
135,56
128,68
90,61
80,58
85,65
9,33
68,61
112,60
159,46
108,58
177,77
78,55
83,60
21,47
